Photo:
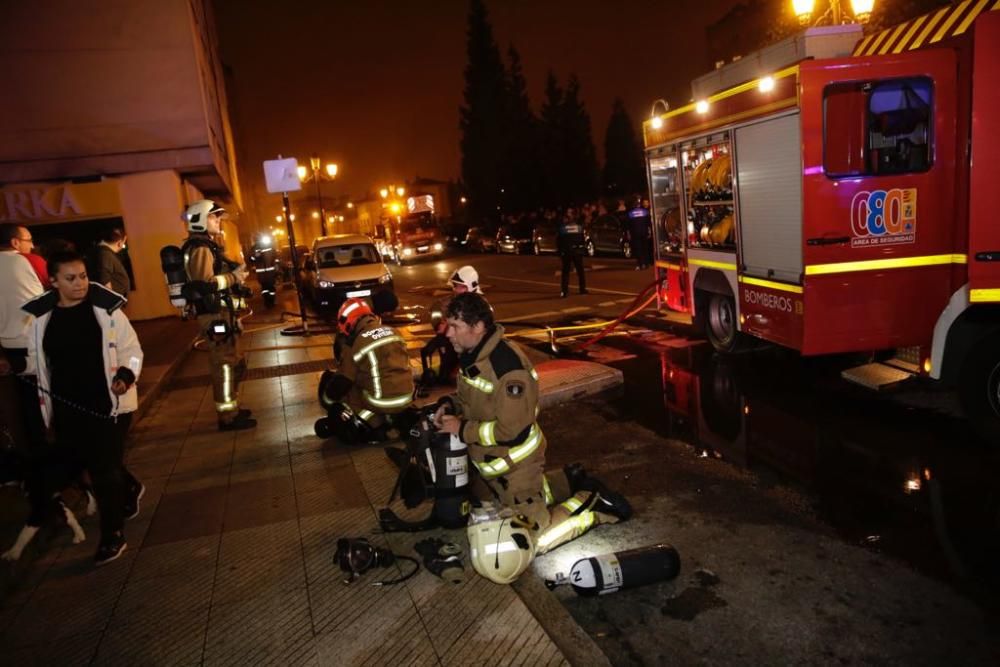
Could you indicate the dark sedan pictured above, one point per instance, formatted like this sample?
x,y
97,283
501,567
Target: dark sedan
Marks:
x,y
515,239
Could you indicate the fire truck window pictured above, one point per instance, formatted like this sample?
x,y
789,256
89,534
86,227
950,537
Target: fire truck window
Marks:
x,y
877,128
844,131
899,117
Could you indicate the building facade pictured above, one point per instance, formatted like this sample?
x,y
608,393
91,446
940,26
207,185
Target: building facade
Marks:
x,y
117,117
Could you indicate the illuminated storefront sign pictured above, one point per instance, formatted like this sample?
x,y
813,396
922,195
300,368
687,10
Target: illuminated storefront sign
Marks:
x,y
60,203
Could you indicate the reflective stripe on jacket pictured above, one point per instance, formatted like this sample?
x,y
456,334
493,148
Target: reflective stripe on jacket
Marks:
x,y
376,361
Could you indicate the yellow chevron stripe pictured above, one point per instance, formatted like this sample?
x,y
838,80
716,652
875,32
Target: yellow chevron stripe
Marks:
x,y
928,28
964,25
877,43
889,42
860,48
950,22
909,34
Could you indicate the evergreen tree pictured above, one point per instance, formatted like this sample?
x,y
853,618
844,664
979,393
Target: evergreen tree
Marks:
x,y
580,155
522,174
482,115
624,169
553,145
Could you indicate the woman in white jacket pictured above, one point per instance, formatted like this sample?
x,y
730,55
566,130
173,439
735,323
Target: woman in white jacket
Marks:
x,y
87,359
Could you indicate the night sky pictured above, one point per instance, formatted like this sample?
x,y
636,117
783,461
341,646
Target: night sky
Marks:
x,y
376,85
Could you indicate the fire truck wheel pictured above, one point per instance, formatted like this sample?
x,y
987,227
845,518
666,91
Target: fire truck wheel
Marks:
x,y
980,386
720,324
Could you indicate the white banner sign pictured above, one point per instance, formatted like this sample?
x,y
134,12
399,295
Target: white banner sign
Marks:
x,y
282,175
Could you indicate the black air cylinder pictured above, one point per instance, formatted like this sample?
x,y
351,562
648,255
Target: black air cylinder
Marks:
x,y
607,573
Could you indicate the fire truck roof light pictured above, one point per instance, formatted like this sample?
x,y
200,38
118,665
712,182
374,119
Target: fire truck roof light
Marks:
x,y
657,122
766,84
701,106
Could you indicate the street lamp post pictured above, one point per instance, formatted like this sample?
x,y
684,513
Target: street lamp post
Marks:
x,y
317,175
862,10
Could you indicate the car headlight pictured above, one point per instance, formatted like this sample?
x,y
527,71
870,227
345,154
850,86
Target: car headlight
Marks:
x,y
438,246
386,278
407,252
325,284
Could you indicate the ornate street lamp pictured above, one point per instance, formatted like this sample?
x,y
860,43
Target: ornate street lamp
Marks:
x,y
317,175
862,10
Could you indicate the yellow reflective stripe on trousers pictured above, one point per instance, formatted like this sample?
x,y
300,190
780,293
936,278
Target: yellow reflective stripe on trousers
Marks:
x,y
366,414
547,491
486,436
497,467
396,402
891,263
482,384
580,523
572,504
379,343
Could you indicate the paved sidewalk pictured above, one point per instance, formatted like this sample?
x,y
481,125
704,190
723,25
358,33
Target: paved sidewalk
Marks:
x,y
230,560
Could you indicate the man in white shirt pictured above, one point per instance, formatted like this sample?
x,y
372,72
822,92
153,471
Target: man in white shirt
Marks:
x,y
18,285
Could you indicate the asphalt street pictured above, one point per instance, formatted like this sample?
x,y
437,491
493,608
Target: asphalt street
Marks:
x,y
816,522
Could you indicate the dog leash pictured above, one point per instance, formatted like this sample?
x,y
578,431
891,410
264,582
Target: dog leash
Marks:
x,y
66,401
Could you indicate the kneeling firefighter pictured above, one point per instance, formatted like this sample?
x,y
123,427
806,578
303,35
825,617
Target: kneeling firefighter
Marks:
x,y
200,276
495,409
374,378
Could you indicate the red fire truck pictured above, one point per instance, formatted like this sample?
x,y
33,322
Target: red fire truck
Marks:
x,y
833,193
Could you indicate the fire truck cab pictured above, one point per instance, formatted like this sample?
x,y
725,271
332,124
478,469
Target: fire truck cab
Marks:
x,y
832,193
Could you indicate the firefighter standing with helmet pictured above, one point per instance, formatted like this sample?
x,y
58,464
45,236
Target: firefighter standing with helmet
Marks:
x,y
373,380
495,411
465,279
214,287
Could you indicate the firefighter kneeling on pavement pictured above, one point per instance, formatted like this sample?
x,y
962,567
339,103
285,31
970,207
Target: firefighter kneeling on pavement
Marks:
x,y
495,412
373,380
214,287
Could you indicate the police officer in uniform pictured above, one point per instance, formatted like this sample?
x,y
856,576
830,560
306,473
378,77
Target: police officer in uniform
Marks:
x,y
214,287
265,263
373,380
495,411
572,245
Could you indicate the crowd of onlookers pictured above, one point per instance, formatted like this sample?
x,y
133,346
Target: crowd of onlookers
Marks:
x,y
69,362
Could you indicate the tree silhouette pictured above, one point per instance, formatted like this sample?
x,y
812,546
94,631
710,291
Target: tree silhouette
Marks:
x,y
624,170
553,144
581,156
481,116
521,169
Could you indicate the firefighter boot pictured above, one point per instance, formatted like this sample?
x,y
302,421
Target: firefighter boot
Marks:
x,y
240,422
603,499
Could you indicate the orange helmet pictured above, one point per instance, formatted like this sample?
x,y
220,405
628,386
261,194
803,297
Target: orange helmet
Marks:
x,y
350,312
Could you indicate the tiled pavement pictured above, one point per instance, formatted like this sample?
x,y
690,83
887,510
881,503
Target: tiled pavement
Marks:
x,y
230,561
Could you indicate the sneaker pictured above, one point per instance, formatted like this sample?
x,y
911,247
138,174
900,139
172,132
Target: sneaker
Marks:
x,y
110,549
132,502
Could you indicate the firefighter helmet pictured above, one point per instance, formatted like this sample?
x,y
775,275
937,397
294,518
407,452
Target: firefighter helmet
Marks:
x,y
501,549
467,277
350,312
196,215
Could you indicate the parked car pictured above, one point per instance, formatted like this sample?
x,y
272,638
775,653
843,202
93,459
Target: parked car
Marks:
x,y
480,239
454,234
545,237
607,234
341,267
516,238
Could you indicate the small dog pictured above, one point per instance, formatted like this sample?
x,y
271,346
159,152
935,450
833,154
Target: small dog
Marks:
x,y
33,476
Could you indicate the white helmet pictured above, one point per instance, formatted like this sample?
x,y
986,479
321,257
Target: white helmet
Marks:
x,y
501,549
467,276
196,215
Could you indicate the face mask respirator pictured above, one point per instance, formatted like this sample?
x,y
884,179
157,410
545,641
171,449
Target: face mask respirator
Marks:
x,y
355,556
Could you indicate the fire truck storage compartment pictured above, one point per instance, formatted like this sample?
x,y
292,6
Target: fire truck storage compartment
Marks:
x,y
769,174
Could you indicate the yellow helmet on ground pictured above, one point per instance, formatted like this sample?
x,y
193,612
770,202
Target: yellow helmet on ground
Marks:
x,y
501,549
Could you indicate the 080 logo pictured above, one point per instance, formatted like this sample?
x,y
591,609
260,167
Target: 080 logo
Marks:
x,y
884,217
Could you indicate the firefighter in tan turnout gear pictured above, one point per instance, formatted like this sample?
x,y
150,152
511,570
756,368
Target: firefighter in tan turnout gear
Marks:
x,y
495,415
214,288
373,381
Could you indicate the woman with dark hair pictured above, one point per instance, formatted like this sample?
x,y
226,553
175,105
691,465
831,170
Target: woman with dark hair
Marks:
x,y
87,358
